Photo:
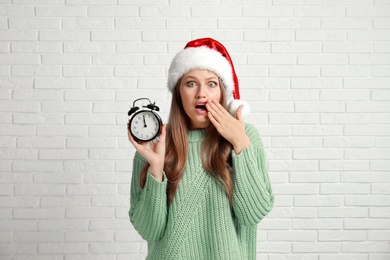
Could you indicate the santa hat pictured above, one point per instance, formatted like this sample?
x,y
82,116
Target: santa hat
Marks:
x,y
209,54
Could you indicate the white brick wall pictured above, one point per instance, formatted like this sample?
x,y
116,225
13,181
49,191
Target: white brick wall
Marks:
x,y
316,73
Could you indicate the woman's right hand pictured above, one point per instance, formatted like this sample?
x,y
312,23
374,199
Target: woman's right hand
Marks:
x,y
153,152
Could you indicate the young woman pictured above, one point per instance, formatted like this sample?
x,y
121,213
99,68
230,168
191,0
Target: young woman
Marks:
x,y
201,189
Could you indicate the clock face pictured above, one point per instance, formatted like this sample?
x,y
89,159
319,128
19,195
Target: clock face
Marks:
x,y
145,125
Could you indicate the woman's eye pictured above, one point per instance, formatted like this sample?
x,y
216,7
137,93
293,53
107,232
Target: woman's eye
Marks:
x,y
191,84
212,84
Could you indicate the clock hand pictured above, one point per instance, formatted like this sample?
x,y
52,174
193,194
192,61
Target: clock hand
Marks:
x,y
144,122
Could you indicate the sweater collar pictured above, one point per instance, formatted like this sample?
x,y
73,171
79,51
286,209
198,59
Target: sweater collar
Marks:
x,y
196,135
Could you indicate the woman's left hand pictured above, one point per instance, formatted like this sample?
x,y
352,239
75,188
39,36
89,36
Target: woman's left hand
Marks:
x,y
232,129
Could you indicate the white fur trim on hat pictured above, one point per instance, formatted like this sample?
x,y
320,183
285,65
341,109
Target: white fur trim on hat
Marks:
x,y
201,58
235,104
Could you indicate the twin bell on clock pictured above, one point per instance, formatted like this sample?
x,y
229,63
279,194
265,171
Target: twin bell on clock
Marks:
x,y
144,124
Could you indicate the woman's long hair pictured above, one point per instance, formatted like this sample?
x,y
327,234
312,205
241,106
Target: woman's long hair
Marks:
x,y
215,150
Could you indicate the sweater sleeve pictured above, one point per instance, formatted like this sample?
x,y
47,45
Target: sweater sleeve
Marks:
x,y
148,206
253,198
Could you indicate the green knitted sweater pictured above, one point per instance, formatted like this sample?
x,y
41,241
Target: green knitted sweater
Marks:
x,y
200,223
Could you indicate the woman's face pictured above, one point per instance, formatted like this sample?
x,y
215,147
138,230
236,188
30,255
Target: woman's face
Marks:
x,y
197,87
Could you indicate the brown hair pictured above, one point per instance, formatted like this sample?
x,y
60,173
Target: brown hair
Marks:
x,y
217,153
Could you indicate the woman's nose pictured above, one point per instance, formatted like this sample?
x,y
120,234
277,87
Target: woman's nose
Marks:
x,y
201,92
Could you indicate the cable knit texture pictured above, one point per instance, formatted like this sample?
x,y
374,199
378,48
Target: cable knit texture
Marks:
x,y
200,223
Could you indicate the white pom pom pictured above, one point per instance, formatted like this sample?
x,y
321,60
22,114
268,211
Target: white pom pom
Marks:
x,y
235,104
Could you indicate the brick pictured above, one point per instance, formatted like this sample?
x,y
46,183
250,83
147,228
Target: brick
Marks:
x,y
41,166
367,11
34,23
111,83
35,71
63,35
380,212
328,59
377,83
381,47
269,36
294,23
82,142
143,24
322,247
29,95
89,47
317,224
64,248
380,188
114,59
164,11
66,59
63,154
59,83
338,236
17,225
310,177
341,213
373,59
89,212
16,11
296,142
36,142
117,247
294,71
60,11
265,11
87,23
346,71
36,47
380,71
89,119
319,83
92,189
18,35
380,95
293,166
271,59
38,119
114,36
38,213
295,189
66,107
139,71
66,201
373,200
349,165
380,165
87,71
16,130
12,58
365,247
68,131
320,107
349,47
164,36
381,23
346,24
230,23
12,106
320,35
377,35
38,236
89,166
378,235
112,11
293,119
330,119
88,236
321,153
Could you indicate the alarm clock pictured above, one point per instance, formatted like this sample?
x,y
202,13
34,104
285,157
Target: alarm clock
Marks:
x,y
144,124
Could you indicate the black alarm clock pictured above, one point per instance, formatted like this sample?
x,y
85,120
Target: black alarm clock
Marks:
x,y
144,124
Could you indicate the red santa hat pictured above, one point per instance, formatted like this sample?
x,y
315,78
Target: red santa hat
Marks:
x,y
209,54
